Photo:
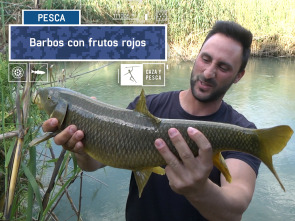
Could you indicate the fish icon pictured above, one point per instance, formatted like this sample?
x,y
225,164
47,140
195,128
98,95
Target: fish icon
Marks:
x,y
38,72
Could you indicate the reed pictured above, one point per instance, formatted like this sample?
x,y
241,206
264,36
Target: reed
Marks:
x,y
3,23
21,171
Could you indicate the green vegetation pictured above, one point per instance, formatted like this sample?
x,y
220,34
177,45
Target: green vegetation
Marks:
x,y
271,22
29,187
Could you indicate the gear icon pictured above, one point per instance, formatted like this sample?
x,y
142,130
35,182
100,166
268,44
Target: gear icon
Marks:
x,y
17,72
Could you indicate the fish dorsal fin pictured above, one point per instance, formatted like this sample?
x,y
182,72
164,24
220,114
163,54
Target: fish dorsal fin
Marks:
x,y
142,177
142,108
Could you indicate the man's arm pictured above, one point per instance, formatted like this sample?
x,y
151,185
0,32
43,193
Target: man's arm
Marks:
x,y
189,177
70,138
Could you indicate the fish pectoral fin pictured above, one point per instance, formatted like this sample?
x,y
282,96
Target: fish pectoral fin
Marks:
x,y
142,177
142,108
220,164
60,112
44,137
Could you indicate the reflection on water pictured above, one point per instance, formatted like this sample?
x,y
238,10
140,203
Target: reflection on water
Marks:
x,y
265,95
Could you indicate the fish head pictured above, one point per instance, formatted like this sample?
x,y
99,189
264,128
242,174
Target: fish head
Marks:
x,y
46,99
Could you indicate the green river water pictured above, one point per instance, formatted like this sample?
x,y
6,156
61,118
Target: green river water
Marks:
x,y
265,95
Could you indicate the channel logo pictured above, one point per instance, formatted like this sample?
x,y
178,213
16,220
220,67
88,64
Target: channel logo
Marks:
x,y
131,74
146,74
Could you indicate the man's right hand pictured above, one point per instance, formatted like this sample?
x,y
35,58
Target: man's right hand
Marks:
x,y
71,139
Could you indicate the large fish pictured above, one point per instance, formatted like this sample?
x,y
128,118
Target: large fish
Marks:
x,y
124,138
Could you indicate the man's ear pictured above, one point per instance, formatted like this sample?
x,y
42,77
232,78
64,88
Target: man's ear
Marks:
x,y
239,76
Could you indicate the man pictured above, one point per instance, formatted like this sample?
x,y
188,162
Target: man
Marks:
x,y
197,190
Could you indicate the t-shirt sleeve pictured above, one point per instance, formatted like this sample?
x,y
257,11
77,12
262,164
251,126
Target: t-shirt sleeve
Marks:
x,y
132,105
252,161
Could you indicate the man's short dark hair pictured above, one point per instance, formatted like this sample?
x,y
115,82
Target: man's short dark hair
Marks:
x,y
236,32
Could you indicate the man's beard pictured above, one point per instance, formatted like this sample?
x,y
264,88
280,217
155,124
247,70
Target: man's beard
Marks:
x,y
215,95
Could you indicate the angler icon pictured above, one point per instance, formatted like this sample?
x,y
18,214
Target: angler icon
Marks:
x,y
131,75
129,72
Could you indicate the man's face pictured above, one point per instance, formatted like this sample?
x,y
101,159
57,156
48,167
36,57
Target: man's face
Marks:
x,y
216,68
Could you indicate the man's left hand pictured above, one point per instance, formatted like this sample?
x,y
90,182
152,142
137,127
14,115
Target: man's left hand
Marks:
x,y
190,174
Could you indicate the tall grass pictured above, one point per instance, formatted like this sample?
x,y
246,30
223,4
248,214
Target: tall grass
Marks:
x,y
23,192
271,21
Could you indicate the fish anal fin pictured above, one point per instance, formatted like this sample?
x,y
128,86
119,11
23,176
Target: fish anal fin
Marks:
x,y
220,164
142,177
60,112
142,108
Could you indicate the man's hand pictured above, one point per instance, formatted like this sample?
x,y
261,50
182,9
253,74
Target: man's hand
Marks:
x,y
189,175
71,139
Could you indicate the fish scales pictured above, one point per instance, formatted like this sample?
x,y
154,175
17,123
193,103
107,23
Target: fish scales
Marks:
x,y
106,135
224,137
125,138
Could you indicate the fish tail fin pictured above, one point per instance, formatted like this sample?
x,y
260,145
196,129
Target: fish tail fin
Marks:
x,y
272,141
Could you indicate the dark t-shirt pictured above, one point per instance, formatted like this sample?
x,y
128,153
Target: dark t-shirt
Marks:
x,y
158,202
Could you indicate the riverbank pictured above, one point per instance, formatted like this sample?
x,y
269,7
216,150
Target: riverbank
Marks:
x,y
263,46
270,21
